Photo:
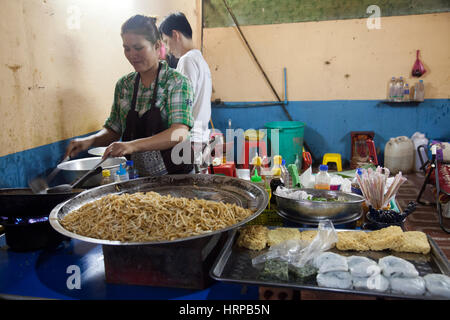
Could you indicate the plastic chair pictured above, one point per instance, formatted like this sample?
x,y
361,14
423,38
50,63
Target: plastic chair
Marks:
x,y
333,157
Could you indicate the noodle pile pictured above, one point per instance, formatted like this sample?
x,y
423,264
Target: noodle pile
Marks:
x,y
140,217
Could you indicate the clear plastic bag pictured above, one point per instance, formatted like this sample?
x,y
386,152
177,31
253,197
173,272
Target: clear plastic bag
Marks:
x,y
299,252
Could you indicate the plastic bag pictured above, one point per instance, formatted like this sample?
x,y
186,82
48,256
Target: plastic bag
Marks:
x,y
299,252
307,179
418,68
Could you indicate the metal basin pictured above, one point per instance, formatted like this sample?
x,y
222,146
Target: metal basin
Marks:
x,y
72,170
348,205
200,186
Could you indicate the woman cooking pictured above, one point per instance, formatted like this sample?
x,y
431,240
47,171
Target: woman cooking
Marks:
x,y
152,108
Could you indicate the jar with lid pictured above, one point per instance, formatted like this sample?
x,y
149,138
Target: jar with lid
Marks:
x,y
322,179
106,177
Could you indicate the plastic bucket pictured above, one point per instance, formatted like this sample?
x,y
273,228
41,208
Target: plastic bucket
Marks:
x,y
290,139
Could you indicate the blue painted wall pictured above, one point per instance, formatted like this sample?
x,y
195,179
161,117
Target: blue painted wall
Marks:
x,y
328,127
329,123
17,168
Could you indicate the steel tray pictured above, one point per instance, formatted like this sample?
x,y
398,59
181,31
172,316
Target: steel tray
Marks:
x,y
201,186
234,264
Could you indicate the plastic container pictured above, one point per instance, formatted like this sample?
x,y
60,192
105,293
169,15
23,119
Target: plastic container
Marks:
x,y
257,179
106,177
276,168
131,170
419,91
285,176
122,174
391,89
256,166
322,179
289,139
399,155
399,89
419,139
406,92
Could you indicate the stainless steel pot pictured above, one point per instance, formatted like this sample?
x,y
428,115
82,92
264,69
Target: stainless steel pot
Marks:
x,y
349,204
74,169
200,186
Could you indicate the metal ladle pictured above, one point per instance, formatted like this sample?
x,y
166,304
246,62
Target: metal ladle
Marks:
x,y
64,188
40,185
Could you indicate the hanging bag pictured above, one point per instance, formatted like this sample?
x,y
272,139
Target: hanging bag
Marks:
x,y
418,68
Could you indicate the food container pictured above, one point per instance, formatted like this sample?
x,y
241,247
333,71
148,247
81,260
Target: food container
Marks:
x,y
181,262
74,169
347,204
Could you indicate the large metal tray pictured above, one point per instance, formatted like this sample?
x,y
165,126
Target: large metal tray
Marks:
x,y
201,186
234,264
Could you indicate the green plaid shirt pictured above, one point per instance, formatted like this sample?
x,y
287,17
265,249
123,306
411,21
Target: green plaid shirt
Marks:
x,y
174,99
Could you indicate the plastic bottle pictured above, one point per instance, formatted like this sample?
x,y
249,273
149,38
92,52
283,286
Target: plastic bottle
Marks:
x,y
322,179
131,170
298,163
285,176
399,89
419,91
122,174
256,178
256,166
406,92
276,168
106,177
419,139
391,92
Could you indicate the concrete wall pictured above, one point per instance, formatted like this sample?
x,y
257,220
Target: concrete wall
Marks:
x,y
337,76
60,61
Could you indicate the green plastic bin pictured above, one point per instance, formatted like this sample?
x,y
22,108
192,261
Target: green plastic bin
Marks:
x,y
290,135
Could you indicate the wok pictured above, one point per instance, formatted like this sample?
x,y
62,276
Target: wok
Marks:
x,y
19,202
75,169
201,186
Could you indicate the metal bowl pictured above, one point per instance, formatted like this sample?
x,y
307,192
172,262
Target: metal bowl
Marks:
x,y
350,205
200,186
72,170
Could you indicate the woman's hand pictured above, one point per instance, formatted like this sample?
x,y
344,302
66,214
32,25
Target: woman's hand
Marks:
x,y
76,146
119,149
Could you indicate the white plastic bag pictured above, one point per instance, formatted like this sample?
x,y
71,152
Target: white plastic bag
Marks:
x,y
307,179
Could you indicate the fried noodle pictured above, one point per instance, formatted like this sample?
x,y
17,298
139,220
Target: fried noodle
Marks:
x,y
149,216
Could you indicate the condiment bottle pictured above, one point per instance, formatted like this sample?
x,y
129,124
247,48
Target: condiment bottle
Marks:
x,y
106,177
121,174
131,170
276,168
257,179
256,166
322,179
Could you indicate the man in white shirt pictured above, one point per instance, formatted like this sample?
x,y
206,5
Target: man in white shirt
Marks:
x,y
177,36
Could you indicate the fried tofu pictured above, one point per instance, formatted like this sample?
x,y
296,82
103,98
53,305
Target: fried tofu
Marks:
x,y
412,241
253,237
352,240
385,238
278,235
308,235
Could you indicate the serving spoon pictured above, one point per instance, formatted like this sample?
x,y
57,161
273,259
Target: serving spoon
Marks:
x,y
40,184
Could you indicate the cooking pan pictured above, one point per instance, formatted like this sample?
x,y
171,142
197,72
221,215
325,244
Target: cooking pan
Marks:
x,y
200,186
20,202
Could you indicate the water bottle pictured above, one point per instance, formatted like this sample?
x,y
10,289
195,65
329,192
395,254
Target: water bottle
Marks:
x,y
399,89
419,91
406,92
106,177
322,179
391,93
132,172
122,174
285,176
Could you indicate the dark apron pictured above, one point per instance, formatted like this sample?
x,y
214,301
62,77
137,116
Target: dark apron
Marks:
x,y
150,163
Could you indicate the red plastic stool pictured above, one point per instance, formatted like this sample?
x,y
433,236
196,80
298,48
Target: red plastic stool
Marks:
x,y
227,169
261,149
